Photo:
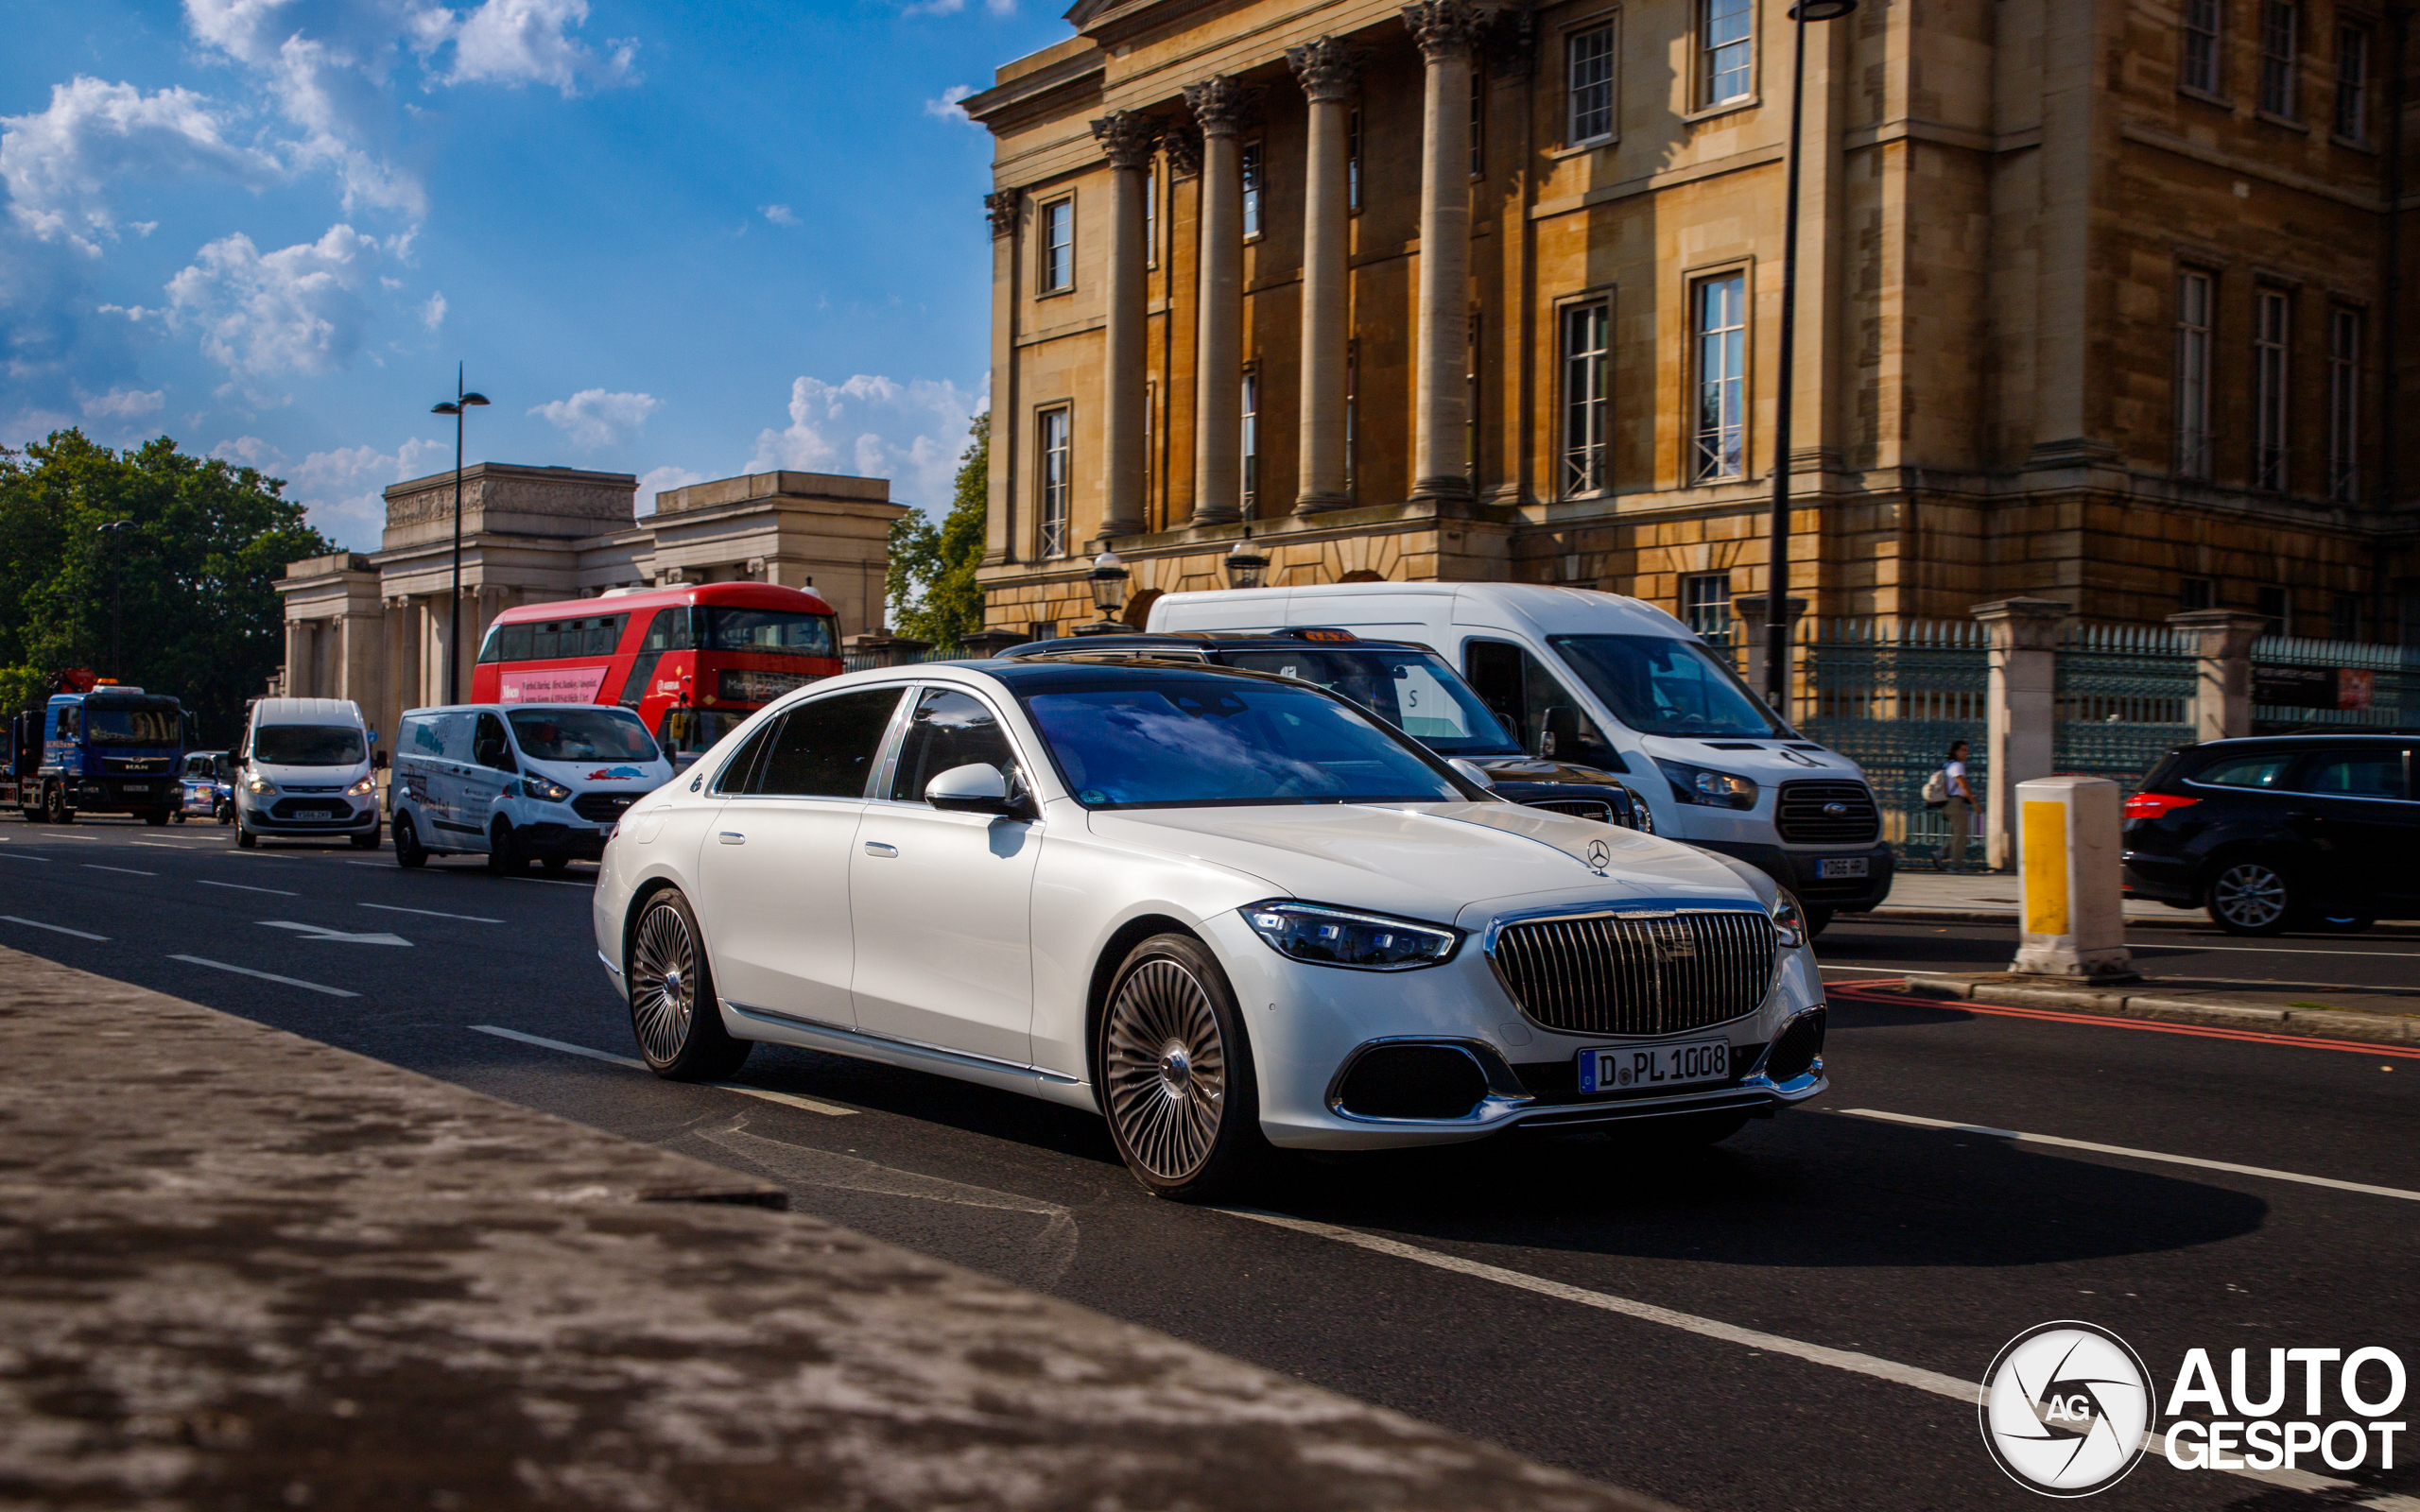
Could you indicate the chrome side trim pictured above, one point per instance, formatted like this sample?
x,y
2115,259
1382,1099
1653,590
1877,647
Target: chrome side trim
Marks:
x,y
608,964
938,1053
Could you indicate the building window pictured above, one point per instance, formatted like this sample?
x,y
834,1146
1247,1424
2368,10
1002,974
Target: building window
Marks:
x,y
2343,404
2281,24
1057,461
2199,66
1706,606
2197,592
2274,604
1042,629
1719,316
1588,75
1058,246
1352,161
1726,49
2268,390
1252,174
1252,445
1587,400
1152,215
2353,83
2345,617
2194,374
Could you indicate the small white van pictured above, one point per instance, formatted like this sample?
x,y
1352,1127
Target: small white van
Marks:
x,y
1614,683
304,770
518,783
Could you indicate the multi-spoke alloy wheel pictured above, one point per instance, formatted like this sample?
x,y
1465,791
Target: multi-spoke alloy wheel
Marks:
x,y
672,1003
2251,898
1177,1077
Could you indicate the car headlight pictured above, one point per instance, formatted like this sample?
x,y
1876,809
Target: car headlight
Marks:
x,y
1789,922
258,784
1336,936
545,791
1701,784
363,788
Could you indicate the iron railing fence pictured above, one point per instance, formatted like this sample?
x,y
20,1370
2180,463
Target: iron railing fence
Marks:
x,y
2123,699
2333,684
860,661
1892,695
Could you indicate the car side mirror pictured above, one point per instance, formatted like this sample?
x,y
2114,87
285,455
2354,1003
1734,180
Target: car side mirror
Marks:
x,y
974,788
1561,736
1472,772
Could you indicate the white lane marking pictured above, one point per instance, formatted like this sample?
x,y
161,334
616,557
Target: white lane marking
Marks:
x,y
786,1099
93,865
337,936
554,881
1967,1392
266,977
2132,1153
155,845
56,929
13,856
431,913
237,886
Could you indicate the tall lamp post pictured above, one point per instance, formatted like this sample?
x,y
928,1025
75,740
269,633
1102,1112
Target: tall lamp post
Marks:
x,y
454,407
1777,572
116,530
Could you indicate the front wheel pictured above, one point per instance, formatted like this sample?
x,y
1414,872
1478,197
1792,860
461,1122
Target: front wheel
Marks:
x,y
367,842
1818,921
408,847
674,1012
53,805
2251,896
1177,1074
180,816
504,852
157,818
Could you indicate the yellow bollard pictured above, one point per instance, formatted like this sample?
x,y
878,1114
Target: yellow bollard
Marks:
x,y
2072,921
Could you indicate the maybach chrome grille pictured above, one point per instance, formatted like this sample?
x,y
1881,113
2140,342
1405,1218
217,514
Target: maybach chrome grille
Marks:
x,y
1646,972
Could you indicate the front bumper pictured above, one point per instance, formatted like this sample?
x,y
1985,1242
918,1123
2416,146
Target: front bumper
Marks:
x,y
1796,870
130,793
2170,879
355,816
560,841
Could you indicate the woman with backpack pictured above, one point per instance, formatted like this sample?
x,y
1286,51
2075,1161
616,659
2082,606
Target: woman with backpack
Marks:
x,y
1949,792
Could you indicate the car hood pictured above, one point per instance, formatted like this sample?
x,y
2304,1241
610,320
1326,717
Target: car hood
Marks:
x,y
1544,770
630,779
1767,761
1440,861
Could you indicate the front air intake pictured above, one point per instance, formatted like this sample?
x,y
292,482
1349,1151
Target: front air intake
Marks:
x,y
1411,1081
1797,1048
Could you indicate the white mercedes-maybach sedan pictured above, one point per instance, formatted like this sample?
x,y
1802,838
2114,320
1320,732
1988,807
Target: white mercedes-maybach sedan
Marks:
x,y
1226,910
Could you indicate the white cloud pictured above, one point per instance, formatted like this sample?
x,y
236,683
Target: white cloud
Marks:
x,y
663,480
295,310
518,41
123,403
909,433
344,490
594,418
432,315
58,164
948,107
780,214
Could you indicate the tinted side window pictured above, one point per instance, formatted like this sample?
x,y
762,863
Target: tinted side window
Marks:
x,y
1518,690
827,748
2246,771
2377,773
734,778
951,729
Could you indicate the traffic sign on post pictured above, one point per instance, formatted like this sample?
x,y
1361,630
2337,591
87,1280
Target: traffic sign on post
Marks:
x,y
2073,918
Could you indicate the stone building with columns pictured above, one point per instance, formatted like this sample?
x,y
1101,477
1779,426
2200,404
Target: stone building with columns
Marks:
x,y
2100,301
376,627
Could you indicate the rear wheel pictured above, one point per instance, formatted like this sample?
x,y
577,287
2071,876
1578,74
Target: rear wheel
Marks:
x,y
673,1013
556,865
1177,1074
2253,895
180,816
226,812
407,848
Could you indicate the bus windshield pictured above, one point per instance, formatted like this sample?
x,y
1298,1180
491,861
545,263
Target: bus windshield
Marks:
x,y
776,631
1412,690
134,725
581,735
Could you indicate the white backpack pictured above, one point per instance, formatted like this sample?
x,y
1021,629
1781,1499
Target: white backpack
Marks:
x,y
1937,789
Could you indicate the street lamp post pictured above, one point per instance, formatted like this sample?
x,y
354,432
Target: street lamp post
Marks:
x,y
116,530
454,407
1777,571
1245,563
1108,581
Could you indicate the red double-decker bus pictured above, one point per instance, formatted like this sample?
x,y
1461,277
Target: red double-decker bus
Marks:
x,y
692,661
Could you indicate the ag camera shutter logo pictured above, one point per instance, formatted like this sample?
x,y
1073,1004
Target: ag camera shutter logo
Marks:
x,y
2066,1409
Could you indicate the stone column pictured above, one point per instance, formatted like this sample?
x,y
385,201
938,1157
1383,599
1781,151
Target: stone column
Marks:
x,y
298,658
1324,69
2223,681
1445,30
1750,607
1000,208
1219,362
1128,138
2018,715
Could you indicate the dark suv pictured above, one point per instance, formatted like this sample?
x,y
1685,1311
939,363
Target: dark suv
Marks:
x,y
1408,685
2277,833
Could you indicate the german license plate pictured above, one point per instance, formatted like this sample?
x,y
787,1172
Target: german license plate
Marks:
x,y
314,814
1842,867
1632,1068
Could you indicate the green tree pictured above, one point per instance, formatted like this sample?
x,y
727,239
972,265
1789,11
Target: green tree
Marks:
x,y
198,569
930,581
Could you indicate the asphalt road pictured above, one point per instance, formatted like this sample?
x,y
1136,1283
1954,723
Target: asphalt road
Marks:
x,y
1505,1290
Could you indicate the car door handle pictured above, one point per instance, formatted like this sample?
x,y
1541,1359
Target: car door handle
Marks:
x,y
875,848
732,837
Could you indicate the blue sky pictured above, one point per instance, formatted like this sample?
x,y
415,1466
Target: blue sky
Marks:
x,y
677,240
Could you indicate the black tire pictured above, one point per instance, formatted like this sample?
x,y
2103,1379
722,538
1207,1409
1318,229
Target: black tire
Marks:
x,y
504,852
673,1012
226,812
556,865
408,847
367,842
180,816
53,805
158,818
1818,921
245,839
1176,1073
2253,895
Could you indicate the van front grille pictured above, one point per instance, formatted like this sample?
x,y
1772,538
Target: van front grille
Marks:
x,y
602,808
1646,972
1826,812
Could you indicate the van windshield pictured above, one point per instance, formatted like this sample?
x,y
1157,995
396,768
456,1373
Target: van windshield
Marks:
x,y
1663,685
581,735
1412,690
307,746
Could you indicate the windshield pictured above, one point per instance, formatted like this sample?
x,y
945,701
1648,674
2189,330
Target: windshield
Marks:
x,y
306,746
767,630
1662,685
1202,741
151,725
1414,691
581,735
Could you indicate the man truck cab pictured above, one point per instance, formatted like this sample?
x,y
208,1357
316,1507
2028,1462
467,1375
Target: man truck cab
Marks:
x,y
304,770
1614,683
114,749
518,783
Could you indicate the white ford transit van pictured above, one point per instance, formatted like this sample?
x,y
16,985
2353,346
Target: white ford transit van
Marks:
x,y
305,769
1615,683
518,783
